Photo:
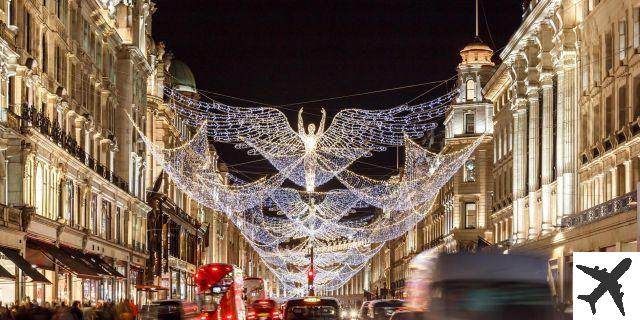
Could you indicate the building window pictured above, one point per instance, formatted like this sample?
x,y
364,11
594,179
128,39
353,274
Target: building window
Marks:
x,y
585,74
609,115
471,90
636,27
118,226
622,39
469,122
94,214
470,171
27,31
608,52
40,187
470,215
45,55
105,225
70,214
597,64
623,108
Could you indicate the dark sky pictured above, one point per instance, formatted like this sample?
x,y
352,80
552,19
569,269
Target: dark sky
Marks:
x,y
283,52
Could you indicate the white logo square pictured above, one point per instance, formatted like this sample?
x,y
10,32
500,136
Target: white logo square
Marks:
x,y
606,285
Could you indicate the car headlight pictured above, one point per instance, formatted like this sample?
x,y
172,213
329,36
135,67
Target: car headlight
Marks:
x,y
343,314
353,313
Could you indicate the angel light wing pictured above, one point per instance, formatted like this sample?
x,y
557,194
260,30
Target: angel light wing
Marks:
x,y
355,132
264,130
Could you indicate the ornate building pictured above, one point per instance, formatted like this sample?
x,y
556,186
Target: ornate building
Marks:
x,y
567,101
459,218
78,187
559,173
182,233
72,202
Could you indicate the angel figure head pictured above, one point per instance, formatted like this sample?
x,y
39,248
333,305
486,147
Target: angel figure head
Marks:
x,y
311,129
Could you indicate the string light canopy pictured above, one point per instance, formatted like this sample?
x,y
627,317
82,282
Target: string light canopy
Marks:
x,y
280,223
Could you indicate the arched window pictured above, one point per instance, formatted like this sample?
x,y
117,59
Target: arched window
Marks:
x,y
39,194
471,90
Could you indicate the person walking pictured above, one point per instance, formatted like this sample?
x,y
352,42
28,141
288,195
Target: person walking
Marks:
x,y
76,312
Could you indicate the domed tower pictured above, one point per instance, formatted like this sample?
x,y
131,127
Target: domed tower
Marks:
x,y
469,117
471,114
181,79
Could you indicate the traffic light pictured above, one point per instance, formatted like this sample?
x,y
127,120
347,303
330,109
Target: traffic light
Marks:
x,y
311,274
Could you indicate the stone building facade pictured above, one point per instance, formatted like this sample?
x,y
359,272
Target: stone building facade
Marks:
x,y
563,158
77,183
183,233
73,205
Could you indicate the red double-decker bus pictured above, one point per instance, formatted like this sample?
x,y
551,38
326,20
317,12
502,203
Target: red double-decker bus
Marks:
x,y
220,292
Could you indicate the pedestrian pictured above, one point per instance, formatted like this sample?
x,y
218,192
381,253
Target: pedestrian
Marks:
x,y
134,309
76,312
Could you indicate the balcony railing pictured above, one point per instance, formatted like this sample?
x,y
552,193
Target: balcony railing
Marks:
x,y
610,208
434,243
40,122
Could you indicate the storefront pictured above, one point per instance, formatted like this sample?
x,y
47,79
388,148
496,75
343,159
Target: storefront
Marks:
x,y
181,284
31,279
77,276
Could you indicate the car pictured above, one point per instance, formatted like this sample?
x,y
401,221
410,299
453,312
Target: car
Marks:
x,y
383,309
264,309
312,308
476,286
169,310
362,314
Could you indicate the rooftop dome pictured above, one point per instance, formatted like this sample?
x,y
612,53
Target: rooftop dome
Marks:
x,y
477,52
182,78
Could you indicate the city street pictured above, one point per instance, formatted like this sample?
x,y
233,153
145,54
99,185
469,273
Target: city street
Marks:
x,y
319,160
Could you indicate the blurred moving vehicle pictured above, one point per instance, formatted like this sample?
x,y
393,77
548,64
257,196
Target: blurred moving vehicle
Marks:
x,y
312,308
409,315
220,292
478,286
263,309
383,309
169,310
253,289
349,314
364,309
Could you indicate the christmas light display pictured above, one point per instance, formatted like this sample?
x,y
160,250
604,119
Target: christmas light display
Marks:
x,y
281,224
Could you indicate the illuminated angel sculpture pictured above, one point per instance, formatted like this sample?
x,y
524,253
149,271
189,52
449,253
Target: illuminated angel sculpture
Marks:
x,y
352,134
310,140
310,156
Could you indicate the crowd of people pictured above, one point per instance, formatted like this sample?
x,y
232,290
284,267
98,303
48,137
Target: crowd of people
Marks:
x,y
108,310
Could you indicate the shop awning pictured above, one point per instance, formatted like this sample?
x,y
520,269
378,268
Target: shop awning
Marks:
x,y
106,267
150,287
4,274
63,258
23,265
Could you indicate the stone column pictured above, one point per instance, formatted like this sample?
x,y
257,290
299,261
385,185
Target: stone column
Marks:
x,y
569,88
547,145
519,169
603,188
559,146
628,177
614,182
533,142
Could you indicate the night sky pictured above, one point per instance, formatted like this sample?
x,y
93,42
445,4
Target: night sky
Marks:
x,y
287,52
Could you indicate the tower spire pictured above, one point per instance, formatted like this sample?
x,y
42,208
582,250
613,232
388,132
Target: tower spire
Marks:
x,y
477,25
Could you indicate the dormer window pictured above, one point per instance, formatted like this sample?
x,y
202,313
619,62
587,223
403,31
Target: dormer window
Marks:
x,y
471,90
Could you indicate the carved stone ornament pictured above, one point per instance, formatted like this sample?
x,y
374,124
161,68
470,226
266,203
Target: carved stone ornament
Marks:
x,y
27,216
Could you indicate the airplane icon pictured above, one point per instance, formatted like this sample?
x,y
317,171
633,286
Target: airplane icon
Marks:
x,y
608,282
